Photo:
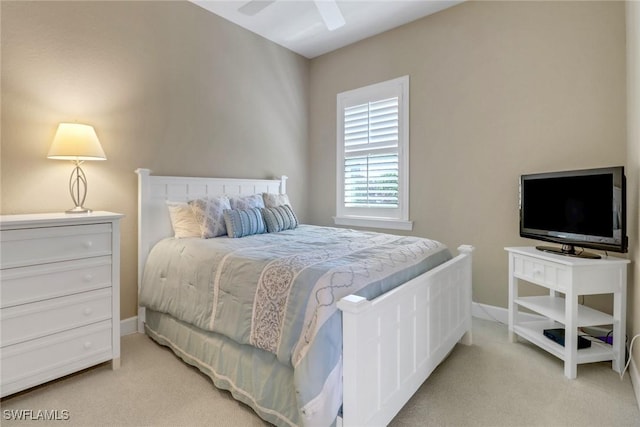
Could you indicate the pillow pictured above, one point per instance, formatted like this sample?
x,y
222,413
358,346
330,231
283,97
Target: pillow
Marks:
x,y
271,200
279,218
209,215
183,220
246,202
244,222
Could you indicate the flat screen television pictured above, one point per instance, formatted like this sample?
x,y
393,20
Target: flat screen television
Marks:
x,y
577,209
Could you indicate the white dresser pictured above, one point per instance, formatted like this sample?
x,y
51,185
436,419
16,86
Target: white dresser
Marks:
x,y
59,295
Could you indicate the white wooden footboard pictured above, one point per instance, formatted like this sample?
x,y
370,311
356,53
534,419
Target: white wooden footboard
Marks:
x,y
392,344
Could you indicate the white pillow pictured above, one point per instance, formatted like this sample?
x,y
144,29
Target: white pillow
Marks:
x,y
209,213
272,200
183,220
246,202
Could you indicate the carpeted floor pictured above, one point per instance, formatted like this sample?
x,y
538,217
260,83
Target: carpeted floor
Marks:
x,y
491,383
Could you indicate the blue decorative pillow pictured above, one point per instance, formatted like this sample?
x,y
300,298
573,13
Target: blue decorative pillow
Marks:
x,y
279,218
244,222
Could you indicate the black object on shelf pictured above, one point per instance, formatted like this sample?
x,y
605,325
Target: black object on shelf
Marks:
x,y
557,335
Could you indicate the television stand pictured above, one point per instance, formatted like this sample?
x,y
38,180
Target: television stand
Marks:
x,y
568,250
566,279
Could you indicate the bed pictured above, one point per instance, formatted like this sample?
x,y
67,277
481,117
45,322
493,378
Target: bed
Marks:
x,y
352,358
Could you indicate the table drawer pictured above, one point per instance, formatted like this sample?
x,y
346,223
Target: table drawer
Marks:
x,y
31,246
37,361
534,270
36,283
29,321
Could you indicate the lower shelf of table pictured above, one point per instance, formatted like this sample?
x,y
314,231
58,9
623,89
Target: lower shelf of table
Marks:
x,y
533,332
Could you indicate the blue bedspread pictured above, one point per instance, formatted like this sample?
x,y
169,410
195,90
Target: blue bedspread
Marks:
x,y
278,292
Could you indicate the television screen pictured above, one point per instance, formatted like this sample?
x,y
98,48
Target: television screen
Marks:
x,y
583,208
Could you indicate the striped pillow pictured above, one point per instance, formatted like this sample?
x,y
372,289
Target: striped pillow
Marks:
x,y
279,218
244,222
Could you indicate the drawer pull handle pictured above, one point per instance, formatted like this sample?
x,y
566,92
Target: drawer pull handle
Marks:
x,y
87,345
88,278
88,244
537,272
87,311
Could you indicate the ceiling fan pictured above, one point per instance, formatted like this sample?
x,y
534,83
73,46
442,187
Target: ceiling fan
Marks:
x,y
329,11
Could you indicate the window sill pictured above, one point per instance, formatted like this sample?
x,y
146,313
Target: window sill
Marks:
x,y
391,224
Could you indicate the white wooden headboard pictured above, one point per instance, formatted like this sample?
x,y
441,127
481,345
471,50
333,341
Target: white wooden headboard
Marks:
x,y
154,223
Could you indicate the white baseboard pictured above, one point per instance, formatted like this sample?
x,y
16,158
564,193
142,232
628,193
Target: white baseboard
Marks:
x,y
129,326
490,312
480,311
497,314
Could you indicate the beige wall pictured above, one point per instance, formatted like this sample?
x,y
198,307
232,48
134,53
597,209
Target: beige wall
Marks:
x,y
167,85
633,171
497,89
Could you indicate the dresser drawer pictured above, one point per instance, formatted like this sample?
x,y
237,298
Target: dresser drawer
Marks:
x,y
31,246
36,361
29,321
30,284
534,270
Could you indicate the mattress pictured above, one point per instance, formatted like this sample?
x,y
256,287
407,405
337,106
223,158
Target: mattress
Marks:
x,y
277,293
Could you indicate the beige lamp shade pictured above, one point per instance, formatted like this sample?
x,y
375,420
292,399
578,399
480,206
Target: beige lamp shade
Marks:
x,y
74,141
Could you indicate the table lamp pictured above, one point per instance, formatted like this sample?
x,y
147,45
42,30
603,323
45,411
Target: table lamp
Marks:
x,y
76,142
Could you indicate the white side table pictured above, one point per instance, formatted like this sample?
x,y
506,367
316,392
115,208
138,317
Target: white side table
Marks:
x,y
572,277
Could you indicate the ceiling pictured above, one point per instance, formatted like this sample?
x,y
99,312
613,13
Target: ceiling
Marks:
x,y
299,26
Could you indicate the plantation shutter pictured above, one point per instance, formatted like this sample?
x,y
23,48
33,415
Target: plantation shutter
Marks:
x,y
371,139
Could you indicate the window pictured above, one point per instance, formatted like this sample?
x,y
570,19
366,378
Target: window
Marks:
x,y
373,153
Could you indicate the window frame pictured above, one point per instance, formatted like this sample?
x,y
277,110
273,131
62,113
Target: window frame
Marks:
x,y
389,218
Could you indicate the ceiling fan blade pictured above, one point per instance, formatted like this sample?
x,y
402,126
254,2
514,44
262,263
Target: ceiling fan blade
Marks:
x,y
254,6
330,13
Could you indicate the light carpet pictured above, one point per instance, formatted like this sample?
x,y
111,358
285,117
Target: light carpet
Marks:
x,y
491,383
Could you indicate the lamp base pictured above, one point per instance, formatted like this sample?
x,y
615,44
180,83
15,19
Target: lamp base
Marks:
x,y
78,210
78,189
